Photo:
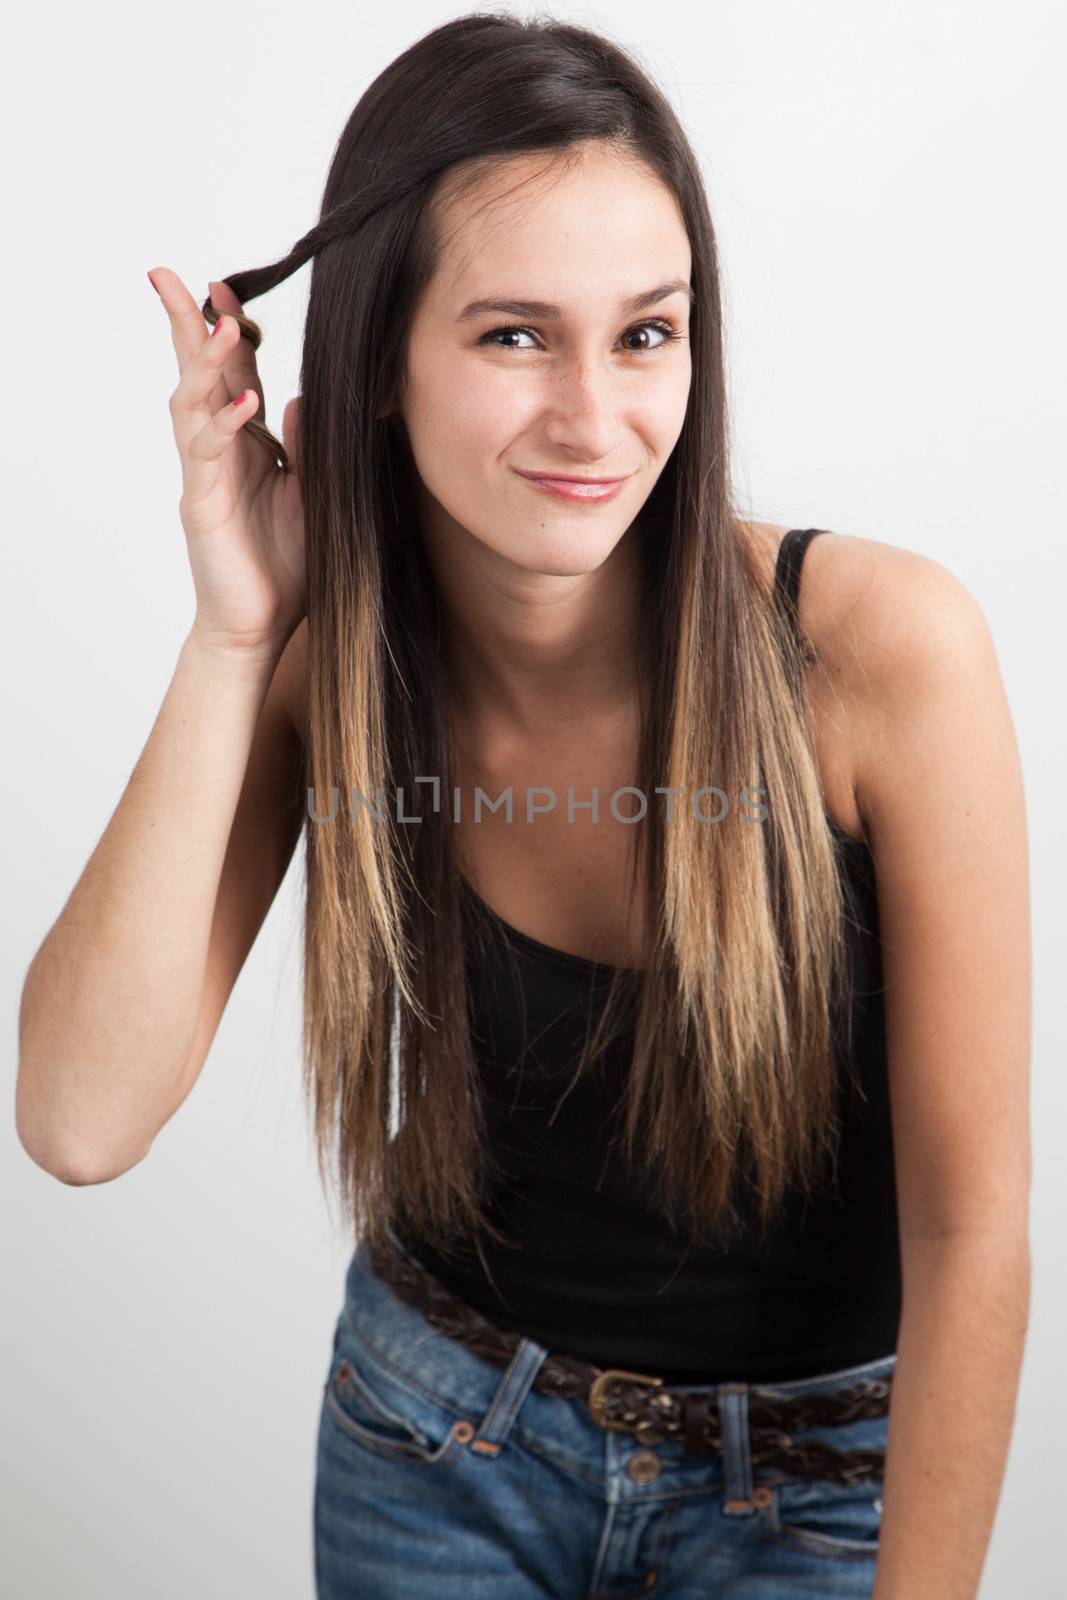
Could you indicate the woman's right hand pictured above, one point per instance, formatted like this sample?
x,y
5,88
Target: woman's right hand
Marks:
x,y
242,513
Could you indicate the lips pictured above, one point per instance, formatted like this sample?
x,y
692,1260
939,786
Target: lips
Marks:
x,y
564,477
588,491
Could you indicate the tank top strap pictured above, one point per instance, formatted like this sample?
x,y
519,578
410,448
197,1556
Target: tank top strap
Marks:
x,y
791,554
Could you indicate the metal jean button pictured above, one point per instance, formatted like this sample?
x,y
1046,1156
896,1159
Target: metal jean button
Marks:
x,y
644,1467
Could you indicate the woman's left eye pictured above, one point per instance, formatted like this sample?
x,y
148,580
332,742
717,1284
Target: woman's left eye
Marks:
x,y
657,324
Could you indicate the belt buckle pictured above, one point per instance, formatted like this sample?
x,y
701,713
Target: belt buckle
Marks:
x,y
598,1400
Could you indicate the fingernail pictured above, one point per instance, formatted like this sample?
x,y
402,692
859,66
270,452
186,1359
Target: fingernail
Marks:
x,y
216,328
152,281
240,397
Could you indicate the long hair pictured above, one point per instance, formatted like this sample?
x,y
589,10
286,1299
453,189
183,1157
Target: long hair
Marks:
x,y
732,1092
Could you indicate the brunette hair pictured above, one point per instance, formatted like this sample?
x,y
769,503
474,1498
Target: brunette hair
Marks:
x,y
733,1074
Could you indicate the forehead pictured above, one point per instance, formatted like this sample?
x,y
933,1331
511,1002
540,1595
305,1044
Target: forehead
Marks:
x,y
564,226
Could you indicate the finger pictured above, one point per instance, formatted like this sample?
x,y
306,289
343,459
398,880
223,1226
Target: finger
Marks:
x,y
240,370
218,433
189,335
187,328
202,393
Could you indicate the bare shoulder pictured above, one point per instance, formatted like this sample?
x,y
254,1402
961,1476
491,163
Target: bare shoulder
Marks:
x,y
884,616
873,611
884,623
911,658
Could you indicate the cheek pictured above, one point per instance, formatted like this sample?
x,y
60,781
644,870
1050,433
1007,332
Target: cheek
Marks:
x,y
466,418
663,404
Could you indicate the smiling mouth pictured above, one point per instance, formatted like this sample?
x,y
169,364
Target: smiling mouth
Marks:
x,y
588,491
564,477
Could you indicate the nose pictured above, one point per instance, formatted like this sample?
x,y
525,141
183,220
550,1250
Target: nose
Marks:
x,y
581,410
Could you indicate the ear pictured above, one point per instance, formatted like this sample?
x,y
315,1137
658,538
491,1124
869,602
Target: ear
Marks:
x,y
291,432
390,406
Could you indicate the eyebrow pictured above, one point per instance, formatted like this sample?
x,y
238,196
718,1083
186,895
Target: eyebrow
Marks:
x,y
542,308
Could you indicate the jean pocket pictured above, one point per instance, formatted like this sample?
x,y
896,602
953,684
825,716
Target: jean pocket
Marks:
x,y
377,1412
825,1518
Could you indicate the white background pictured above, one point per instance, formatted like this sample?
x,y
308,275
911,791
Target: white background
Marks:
x,y
883,188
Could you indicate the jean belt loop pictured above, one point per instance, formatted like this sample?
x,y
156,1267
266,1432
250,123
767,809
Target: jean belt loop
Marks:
x,y
510,1393
736,1449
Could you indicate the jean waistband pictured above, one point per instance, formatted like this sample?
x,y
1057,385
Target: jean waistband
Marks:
x,y
423,1320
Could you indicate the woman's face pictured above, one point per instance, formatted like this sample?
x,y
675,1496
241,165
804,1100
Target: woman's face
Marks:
x,y
591,386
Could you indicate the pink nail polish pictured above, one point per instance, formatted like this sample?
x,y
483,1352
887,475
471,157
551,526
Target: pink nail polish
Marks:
x,y
240,397
152,281
216,328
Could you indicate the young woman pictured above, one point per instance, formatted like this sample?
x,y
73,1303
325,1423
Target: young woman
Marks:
x,y
667,961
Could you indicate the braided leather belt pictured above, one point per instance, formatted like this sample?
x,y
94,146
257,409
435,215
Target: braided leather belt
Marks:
x,y
634,1403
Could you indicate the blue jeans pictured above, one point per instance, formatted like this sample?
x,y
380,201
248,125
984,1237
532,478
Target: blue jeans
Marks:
x,y
442,1477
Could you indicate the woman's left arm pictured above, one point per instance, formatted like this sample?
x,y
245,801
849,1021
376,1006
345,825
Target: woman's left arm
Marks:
x,y
940,788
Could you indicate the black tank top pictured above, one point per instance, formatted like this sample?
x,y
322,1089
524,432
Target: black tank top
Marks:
x,y
592,1268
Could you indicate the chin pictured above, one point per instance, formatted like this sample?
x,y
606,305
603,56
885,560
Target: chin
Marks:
x,y
557,563
560,554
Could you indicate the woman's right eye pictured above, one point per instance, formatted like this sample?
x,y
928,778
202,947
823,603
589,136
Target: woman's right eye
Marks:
x,y
493,333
